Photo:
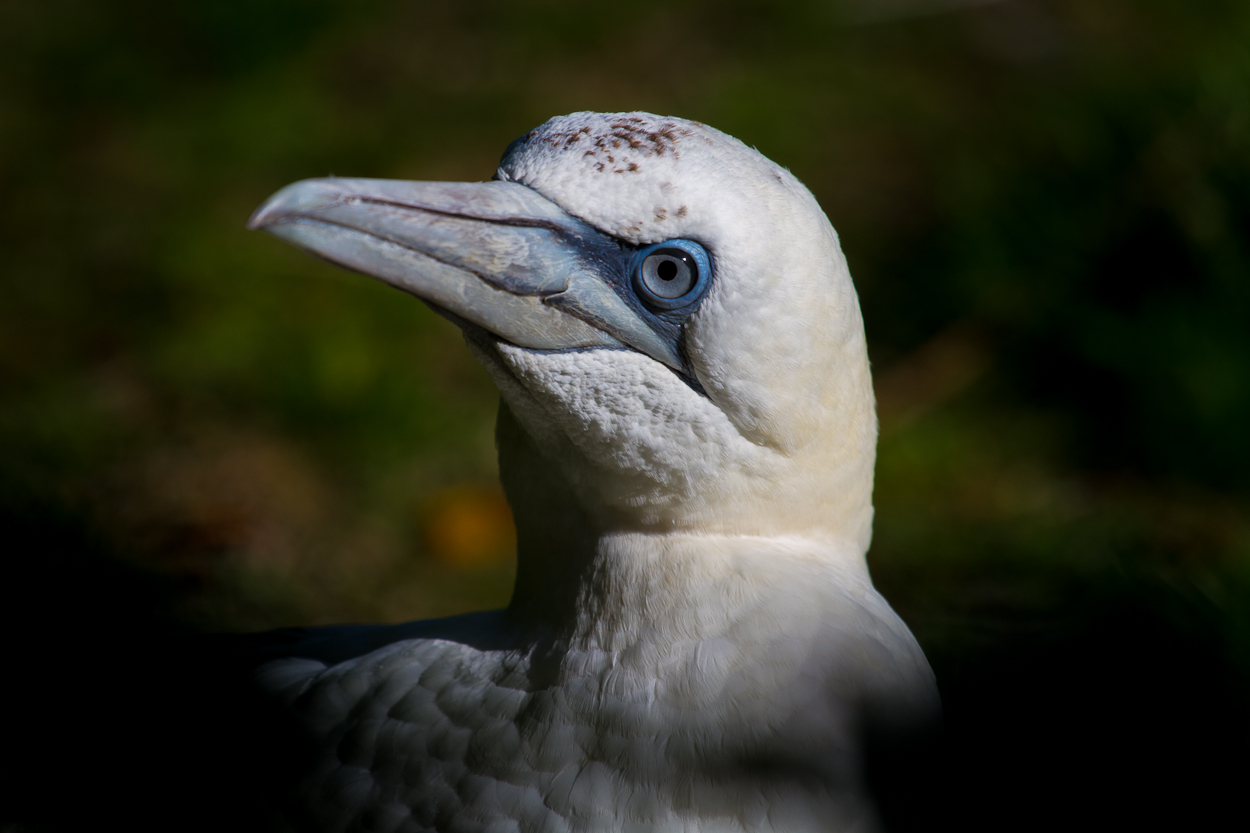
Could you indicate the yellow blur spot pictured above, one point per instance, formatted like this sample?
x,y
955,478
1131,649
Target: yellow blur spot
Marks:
x,y
469,525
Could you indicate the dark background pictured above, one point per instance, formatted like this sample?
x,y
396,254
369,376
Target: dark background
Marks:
x,y
1045,206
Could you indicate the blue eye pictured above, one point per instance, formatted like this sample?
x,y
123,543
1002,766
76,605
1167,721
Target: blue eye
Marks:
x,y
672,274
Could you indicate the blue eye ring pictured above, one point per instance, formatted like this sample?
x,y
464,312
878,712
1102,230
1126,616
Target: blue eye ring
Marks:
x,y
671,275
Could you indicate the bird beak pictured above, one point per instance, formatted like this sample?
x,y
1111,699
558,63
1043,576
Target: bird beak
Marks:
x,y
494,254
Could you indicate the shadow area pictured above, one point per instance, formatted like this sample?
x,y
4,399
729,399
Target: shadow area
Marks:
x,y
113,712
1115,717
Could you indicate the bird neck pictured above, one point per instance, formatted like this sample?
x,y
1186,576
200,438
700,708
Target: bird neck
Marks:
x,y
579,581
556,540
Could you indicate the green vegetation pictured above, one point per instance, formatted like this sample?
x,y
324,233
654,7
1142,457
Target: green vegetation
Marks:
x,y
1045,206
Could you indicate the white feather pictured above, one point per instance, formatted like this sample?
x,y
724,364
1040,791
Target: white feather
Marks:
x,y
694,642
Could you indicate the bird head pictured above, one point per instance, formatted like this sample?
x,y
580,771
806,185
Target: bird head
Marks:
x,y
668,316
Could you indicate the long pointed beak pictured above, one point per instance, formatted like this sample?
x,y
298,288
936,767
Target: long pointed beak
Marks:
x,y
496,254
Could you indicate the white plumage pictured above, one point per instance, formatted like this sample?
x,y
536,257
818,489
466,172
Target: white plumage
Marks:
x,y
694,642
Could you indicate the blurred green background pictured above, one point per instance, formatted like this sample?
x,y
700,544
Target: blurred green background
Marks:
x,y
1045,205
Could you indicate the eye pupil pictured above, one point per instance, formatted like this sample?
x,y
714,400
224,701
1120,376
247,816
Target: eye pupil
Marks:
x,y
669,274
672,275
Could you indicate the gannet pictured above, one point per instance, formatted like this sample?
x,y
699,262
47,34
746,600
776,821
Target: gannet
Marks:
x,y
687,436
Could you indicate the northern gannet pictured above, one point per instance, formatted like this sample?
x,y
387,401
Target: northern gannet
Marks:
x,y
687,437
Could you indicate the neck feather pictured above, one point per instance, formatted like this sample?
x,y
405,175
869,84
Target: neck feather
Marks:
x,y
592,584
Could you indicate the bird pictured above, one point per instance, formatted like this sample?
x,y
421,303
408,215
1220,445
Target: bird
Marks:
x,y
687,438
